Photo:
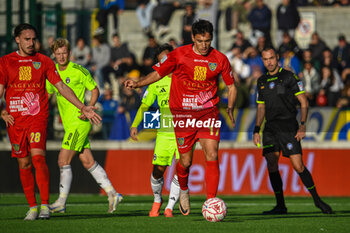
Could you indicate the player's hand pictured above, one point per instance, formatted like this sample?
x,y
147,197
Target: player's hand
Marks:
x,y
256,139
7,118
82,117
232,118
89,112
130,84
133,133
301,133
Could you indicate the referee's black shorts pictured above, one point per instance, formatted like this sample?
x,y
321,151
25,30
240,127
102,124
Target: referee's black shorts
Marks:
x,y
280,135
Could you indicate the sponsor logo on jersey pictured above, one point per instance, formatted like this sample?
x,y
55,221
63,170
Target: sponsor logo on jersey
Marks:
x,y
290,146
272,85
158,65
200,73
212,66
163,59
36,65
67,80
181,141
198,60
151,120
162,90
145,94
301,86
66,143
15,147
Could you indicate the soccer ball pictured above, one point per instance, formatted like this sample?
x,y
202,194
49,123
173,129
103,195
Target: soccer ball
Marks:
x,y
214,209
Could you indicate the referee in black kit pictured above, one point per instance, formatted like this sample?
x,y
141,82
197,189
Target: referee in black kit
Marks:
x,y
278,91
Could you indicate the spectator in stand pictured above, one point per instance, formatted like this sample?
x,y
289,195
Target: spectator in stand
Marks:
x,y
307,57
119,52
327,59
172,41
287,19
208,10
290,62
144,11
311,82
162,14
235,12
339,3
341,54
288,43
149,55
81,53
241,42
344,100
114,7
260,19
261,44
48,51
332,85
109,110
187,22
317,46
101,56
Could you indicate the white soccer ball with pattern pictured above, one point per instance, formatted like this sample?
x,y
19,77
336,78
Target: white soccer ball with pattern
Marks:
x,y
214,209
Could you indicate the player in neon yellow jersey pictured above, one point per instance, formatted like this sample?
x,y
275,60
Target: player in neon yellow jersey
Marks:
x,y
166,145
76,127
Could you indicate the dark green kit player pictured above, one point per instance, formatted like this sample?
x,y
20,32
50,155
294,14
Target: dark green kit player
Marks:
x,y
278,93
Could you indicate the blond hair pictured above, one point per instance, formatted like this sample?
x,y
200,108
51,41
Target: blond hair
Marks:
x,y
59,43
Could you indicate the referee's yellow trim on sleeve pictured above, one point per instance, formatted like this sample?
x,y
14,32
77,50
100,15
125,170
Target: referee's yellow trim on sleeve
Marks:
x,y
260,102
300,92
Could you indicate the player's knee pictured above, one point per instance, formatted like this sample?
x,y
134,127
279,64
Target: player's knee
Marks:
x,y
272,165
213,156
299,168
25,165
62,163
88,164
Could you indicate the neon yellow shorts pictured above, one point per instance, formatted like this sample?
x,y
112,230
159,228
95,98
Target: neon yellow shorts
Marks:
x,y
76,137
164,150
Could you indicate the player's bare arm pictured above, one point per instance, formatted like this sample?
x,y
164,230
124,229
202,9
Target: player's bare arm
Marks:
x,y
232,94
95,93
260,115
88,111
133,133
2,89
304,105
149,79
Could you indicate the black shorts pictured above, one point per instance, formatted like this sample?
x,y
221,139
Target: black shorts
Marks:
x,y
280,135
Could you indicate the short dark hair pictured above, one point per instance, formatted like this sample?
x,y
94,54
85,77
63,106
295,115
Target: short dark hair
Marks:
x,y
162,48
24,26
202,26
269,48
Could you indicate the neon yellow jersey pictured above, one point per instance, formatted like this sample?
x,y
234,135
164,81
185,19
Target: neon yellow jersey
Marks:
x,y
160,90
78,79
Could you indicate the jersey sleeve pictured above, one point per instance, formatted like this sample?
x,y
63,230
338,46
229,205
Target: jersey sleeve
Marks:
x,y
227,73
260,94
49,87
51,72
88,80
167,64
295,84
3,72
149,96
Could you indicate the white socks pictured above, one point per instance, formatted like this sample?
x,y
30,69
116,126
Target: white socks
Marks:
x,y
66,177
157,187
174,193
101,178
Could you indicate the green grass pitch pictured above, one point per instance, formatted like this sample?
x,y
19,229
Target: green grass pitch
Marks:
x,y
88,213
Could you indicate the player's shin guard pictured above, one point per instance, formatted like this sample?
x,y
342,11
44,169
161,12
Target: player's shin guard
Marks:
x,y
101,178
277,186
307,180
27,179
174,193
66,177
157,186
182,174
42,177
212,175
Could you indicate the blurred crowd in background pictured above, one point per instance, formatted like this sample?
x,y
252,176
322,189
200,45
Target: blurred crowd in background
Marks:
x,y
325,71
